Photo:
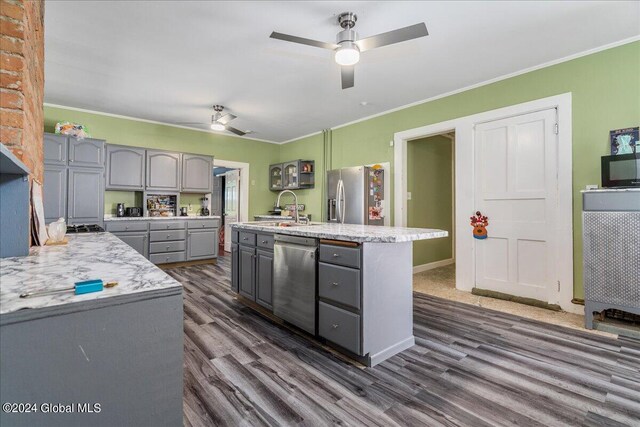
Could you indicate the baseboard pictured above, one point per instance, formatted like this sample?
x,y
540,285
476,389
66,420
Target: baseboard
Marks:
x,y
432,265
383,355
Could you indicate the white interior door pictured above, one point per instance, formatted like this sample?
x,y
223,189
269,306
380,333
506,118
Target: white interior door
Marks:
x,y
517,188
231,208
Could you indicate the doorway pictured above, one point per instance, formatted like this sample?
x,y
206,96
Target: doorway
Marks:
x,y
230,197
558,275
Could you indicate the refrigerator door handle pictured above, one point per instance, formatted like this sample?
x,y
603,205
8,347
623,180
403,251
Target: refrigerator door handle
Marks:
x,y
338,201
343,198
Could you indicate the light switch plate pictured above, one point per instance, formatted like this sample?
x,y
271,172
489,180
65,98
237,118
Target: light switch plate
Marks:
x,y
408,195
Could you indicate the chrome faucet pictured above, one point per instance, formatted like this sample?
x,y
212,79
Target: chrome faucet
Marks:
x,y
296,217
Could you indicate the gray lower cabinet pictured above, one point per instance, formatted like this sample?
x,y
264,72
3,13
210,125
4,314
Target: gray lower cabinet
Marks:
x,y
55,149
138,241
234,267
202,244
55,196
125,168
85,202
339,326
246,270
86,152
197,173
264,277
163,171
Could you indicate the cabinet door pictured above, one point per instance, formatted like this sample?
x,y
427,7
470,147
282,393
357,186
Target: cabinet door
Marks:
x,y
137,241
54,192
264,277
290,174
234,267
275,177
163,170
197,172
86,196
125,168
246,269
55,149
202,244
86,152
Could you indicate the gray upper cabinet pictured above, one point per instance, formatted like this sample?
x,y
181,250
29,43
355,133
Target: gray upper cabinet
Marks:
x,y
163,171
125,168
86,196
55,149
55,194
86,152
197,172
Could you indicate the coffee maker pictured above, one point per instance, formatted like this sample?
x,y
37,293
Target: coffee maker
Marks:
x,y
120,210
204,206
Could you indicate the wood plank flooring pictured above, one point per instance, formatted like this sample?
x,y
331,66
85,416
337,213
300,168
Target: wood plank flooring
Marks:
x,y
470,367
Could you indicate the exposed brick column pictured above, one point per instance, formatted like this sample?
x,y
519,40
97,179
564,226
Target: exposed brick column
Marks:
x,y
22,81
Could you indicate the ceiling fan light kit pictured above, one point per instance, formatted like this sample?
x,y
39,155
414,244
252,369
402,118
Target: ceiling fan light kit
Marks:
x,y
348,47
217,126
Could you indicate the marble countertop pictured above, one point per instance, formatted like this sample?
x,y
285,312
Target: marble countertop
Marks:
x,y
276,217
157,218
605,190
349,232
86,256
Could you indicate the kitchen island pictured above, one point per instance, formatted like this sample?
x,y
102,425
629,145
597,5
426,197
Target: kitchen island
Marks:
x,y
346,285
120,348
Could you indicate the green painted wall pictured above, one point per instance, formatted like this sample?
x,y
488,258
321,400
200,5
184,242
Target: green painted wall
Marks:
x,y
429,179
606,95
149,135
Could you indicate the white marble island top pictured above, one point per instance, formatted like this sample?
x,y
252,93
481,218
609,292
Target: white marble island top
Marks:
x,y
86,256
157,218
348,232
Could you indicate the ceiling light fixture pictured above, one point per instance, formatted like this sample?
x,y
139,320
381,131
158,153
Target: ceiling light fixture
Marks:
x,y
217,126
347,54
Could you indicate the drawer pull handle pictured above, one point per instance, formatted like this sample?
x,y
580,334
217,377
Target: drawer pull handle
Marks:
x,y
335,326
334,284
245,238
264,242
168,247
167,226
336,256
168,235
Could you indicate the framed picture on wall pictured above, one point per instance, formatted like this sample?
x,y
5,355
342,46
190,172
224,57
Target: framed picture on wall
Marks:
x,y
624,141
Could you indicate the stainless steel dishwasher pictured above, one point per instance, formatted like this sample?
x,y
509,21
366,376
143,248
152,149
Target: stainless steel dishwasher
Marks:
x,y
294,280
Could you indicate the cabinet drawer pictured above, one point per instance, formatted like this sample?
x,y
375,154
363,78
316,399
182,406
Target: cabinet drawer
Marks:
x,y
340,284
161,247
167,257
349,257
160,236
121,226
265,241
202,223
247,238
339,326
167,225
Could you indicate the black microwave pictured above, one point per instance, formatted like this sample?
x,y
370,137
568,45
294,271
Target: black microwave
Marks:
x,y
622,170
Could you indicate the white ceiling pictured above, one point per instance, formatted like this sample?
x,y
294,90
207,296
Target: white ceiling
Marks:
x,y
169,61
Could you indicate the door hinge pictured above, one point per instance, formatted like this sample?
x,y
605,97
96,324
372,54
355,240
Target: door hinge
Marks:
x,y
555,129
558,285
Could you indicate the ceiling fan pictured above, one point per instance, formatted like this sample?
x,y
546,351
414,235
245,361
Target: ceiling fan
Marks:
x,y
220,122
348,47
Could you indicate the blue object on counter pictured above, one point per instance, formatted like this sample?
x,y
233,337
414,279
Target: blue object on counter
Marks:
x,y
88,286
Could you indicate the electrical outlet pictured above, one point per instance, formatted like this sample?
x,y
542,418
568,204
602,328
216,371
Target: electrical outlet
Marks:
x,y
391,143
408,195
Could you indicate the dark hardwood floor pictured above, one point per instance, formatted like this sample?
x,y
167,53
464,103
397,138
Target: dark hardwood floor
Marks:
x,y
470,367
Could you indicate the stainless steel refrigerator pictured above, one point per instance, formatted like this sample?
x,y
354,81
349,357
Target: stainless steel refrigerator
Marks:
x,y
356,195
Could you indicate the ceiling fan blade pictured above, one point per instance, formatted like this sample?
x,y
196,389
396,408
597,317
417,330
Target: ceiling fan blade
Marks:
x,y
226,118
236,131
191,123
391,37
347,73
302,40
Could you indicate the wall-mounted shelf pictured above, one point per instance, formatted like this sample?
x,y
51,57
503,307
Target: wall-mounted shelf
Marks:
x,y
14,205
